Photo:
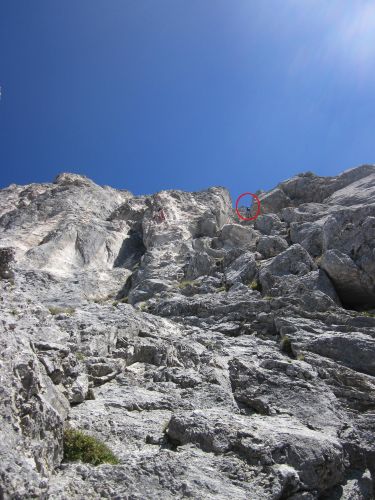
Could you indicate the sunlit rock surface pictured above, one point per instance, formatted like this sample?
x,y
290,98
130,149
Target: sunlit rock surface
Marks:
x,y
217,358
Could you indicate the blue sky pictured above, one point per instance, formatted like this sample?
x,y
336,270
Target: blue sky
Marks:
x,y
158,94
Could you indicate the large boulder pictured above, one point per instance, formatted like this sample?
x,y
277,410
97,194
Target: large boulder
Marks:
x,y
242,270
349,255
270,246
268,224
270,384
309,235
353,286
317,458
237,236
274,201
295,260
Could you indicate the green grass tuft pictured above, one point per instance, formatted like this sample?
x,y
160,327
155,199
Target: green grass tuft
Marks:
x,y
60,310
81,446
123,300
286,345
368,314
255,285
185,283
80,356
318,260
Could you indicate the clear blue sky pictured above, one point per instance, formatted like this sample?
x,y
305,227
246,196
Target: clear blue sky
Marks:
x,y
154,94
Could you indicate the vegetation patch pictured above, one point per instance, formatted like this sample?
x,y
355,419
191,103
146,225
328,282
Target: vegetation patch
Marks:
x,y
255,285
81,446
123,300
368,314
61,310
165,426
286,346
185,283
80,356
318,260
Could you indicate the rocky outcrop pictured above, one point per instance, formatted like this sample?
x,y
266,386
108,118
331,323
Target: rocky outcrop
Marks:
x,y
6,260
217,358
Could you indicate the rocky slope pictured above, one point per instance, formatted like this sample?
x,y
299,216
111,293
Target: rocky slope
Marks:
x,y
217,358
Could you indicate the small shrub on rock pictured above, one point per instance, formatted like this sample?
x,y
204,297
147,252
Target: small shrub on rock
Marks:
x,y
255,285
286,345
368,314
60,310
87,449
185,283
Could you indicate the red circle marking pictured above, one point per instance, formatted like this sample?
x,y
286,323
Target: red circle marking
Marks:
x,y
258,209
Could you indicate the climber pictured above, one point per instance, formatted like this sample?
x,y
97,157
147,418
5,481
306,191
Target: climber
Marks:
x,y
248,212
159,216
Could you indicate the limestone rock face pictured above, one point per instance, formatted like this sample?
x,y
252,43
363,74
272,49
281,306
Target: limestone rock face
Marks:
x,y
217,358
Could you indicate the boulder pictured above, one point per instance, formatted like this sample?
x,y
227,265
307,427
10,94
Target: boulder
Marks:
x,y
270,246
348,255
268,224
242,270
274,201
353,286
295,260
309,236
317,458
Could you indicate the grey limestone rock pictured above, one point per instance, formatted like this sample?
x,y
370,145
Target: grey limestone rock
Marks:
x,y
217,358
270,246
242,270
268,224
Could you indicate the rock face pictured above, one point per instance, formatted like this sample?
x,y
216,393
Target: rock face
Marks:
x,y
217,358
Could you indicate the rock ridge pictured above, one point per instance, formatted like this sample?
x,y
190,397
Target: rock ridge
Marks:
x,y
217,358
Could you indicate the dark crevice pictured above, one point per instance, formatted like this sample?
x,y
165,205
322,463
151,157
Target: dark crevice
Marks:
x,y
170,443
131,251
124,292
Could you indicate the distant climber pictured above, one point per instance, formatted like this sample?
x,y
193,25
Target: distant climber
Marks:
x,y
248,212
159,215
